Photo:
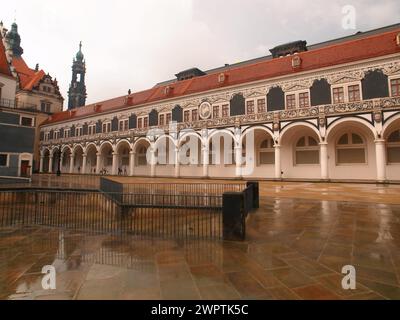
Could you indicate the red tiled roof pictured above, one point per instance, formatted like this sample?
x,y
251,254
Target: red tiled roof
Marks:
x,y
4,67
349,51
28,77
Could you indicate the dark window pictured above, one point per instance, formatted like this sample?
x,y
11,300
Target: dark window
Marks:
x,y
28,122
275,99
3,160
375,85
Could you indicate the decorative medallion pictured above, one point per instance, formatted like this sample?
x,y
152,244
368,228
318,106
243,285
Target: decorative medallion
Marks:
x,y
205,110
296,62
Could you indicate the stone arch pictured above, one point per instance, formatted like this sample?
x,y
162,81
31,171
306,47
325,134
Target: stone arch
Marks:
x,y
299,124
355,120
390,124
347,159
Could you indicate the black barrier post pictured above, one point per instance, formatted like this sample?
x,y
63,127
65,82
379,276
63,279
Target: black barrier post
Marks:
x,y
255,192
233,216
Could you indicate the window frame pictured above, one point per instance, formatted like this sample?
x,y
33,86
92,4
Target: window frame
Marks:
x,y
345,87
307,147
297,98
269,149
106,124
190,112
91,129
78,131
390,78
395,144
7,160
350,146
142,119
27,117
67,133
125,125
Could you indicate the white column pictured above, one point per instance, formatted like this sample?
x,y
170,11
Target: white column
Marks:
x,y
51,164
177,163
278,170
41,164
324,160
132,156
380,160
84,156
71,163
98,162
114,169
205,161
152,162
238,160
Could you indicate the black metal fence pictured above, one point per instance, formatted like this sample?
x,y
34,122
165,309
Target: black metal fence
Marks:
x,y
94,211
175,214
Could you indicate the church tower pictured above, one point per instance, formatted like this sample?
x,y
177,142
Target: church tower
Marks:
x,y
77,88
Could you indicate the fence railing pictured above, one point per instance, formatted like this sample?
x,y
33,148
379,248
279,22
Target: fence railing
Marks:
x,y
94,211
178,215
70,181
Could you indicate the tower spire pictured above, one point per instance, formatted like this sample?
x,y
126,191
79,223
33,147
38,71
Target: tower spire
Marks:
x,y
77,89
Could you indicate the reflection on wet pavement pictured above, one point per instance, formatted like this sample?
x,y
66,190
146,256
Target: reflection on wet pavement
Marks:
x,y
295,249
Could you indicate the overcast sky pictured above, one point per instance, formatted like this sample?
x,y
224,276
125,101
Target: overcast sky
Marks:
x,y
135,44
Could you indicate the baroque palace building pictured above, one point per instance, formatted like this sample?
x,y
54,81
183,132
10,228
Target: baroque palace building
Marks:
x,y
27,98
329,111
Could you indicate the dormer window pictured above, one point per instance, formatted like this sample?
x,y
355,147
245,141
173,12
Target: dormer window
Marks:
x,y
221,77
167,90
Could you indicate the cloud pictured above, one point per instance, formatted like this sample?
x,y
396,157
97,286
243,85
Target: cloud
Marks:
x,y
135,44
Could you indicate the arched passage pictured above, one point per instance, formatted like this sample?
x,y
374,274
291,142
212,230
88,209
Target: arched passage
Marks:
x,y
221,150
351,150
190,155
106,158
66,159
140,148
77,159
258,153
123,150
391,135
45,159
300,151
165,156
91,159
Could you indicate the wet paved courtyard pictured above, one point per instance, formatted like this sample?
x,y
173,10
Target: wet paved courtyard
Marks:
x,y
297,243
